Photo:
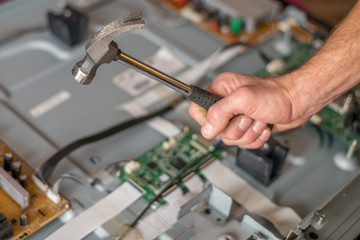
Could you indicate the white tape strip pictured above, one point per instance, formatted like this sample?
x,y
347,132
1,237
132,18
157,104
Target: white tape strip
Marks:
x,y
135,83
284,218
50,104
164,126
99,213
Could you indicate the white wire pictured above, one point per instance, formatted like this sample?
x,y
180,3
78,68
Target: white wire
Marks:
x,y
77,178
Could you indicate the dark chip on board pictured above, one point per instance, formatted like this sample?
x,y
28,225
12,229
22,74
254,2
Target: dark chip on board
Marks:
x,y
178,163
152,165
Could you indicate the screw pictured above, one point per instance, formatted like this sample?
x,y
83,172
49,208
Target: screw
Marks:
x,y
321,220
226,236
95,159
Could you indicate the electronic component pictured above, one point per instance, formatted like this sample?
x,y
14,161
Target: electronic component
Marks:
x,y
6,227
230,20
276,65
178,163
297,57
70,26
246,10
8,157
265,163
14,189
342,104
183,154
16,169
152,165
26,205
342,116
23,180
131,166
24,220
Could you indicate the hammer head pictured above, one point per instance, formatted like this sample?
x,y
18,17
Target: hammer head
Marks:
x,y
102,49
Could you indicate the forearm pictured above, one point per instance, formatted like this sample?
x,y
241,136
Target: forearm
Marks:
x,y
332,71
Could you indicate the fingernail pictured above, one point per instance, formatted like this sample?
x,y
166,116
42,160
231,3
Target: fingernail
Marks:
x,y
258,127
245,124
265,135
207,130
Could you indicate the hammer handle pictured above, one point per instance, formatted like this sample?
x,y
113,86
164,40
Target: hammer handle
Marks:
x,y
197,95
206,99
202,97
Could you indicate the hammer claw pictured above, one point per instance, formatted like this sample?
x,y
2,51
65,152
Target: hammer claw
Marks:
x,y
102,49
132,17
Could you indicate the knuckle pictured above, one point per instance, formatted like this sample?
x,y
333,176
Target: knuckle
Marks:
x,y
222,77
257,144
228,142
225,75
234,134
248,137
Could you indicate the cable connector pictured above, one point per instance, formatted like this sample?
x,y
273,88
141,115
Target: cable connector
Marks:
x,y
53,196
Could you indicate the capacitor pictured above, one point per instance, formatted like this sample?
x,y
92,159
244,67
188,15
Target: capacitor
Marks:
x,y
223,19
24,220
236,25
23,180
198,5
16,169
8,157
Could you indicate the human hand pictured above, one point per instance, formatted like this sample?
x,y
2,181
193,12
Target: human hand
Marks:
x,y
249,104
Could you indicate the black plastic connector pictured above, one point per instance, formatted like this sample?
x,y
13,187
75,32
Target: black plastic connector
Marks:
x,y
6,227
265,163
70,26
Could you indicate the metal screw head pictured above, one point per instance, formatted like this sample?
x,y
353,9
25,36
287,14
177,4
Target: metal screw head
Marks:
x,y
226,236
95,159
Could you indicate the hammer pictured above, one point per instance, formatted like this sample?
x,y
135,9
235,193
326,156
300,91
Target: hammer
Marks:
x,y
102,49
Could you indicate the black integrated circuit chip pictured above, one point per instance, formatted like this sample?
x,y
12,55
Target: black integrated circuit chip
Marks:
x,y
178,163
152,165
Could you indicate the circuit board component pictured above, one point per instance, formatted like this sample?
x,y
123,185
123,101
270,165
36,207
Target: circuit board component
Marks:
x,y
342,116
298,56
175,158
229,20
232,21
24,208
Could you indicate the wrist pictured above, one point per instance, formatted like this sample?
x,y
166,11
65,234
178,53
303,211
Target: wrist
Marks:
x,y
296,95
313,86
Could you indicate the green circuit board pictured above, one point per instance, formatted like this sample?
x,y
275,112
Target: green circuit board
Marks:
x,y
172,160
342,116
301,53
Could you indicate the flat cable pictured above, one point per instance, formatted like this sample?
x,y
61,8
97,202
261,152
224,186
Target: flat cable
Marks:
x,y
165,188
98,214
